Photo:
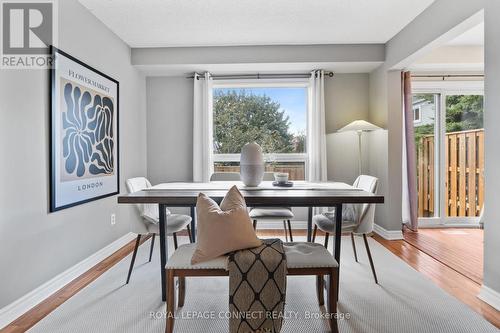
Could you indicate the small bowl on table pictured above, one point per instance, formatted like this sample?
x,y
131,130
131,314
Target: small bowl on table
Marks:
x,y
281,177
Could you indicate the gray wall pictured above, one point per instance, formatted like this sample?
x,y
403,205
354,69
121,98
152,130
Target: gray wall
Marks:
x,y
273,54
386,147
492,141
36,245
170,129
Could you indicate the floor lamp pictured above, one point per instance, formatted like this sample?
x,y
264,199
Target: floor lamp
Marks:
x,y
359,126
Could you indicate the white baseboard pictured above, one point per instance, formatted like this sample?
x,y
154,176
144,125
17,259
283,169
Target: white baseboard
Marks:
x,y
17,308
388,234
490,296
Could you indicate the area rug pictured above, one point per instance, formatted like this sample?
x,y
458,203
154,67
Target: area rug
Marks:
x,y
404,301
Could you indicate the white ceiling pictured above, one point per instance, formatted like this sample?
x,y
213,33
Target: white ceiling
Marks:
x,y
472,37
155,23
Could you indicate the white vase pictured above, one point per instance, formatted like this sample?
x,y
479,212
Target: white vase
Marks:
x,y
251,164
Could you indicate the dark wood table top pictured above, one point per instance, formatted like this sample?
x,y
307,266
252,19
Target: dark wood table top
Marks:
x,y
323,196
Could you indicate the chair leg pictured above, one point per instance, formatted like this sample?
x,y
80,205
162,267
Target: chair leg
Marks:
x,y
370,258
137,242
290,230
152,247
175,240
354,247
254,224
315,231
284,228
170,301
332,300
327,236
320,286
182,291
189,233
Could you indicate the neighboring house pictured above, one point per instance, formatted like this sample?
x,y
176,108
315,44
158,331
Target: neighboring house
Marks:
x,y
423,112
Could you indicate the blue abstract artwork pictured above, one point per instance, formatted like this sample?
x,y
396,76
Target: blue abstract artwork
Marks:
x,y
88,139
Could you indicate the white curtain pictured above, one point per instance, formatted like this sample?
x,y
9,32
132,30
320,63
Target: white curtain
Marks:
x,y
316,143
202,128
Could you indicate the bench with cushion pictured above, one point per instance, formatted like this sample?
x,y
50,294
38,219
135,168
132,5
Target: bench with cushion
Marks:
x,y
302,259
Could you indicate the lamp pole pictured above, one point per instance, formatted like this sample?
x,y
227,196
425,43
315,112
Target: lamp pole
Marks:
x,y
359,151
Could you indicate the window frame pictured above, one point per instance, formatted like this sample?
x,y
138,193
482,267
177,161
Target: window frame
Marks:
x,y
419,109
269,83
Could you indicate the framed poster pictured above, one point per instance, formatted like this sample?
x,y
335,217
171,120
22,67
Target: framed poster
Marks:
x,y
84,133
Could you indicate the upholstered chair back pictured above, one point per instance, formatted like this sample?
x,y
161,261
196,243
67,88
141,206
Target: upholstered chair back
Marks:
x,y
149,212
225,176
365,212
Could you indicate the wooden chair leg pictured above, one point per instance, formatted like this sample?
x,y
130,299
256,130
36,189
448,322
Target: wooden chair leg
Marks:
x,y
327,236
254,224
137,243
182,291
354,247
315,231
284,228
152,247
290,230
175,240
189,233
333,299
170,301
320,286
370,258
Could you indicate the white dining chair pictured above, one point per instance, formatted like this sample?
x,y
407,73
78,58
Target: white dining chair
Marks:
x,y
150,216
357,219
284,214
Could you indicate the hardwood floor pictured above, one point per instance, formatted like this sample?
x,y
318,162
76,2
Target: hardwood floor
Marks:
x,y
453,282
459,249
450,280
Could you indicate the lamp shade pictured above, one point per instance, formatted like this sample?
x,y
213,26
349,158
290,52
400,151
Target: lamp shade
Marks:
x,y
359,125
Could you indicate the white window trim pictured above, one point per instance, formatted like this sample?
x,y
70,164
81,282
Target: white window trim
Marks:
x,y
268,83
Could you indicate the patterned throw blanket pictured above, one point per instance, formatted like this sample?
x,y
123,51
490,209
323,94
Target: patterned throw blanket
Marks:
x,y
257,288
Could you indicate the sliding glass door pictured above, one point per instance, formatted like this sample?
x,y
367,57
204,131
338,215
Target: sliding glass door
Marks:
x,y
449,138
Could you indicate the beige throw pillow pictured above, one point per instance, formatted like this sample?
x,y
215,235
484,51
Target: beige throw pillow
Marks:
x,y
223,229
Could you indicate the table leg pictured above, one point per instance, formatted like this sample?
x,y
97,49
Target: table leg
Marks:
x,y
163,250
309,223
338,239
193,224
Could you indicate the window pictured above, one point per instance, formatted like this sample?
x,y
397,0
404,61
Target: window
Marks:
x,y
416,113
272,114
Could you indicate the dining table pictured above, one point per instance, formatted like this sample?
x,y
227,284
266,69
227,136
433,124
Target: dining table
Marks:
x,y
332,195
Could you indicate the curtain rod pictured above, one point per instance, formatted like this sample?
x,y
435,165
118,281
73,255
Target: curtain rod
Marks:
x,y
447,75
262,76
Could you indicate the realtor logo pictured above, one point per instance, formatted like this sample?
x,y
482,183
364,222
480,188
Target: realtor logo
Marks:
x,y
28,30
